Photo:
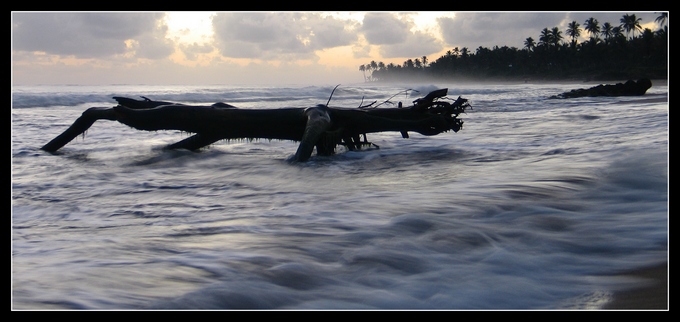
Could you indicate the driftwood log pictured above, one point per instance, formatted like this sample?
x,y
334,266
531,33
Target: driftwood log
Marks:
x,y
629,88
322,126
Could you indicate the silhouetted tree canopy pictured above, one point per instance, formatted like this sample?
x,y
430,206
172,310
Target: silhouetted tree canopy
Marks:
x,y
607,54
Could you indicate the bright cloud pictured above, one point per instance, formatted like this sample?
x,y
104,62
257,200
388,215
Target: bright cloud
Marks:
x,y
170,47
275,36
90,35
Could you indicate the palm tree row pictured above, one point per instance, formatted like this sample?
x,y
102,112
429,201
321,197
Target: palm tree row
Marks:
x,y
606,52
377,67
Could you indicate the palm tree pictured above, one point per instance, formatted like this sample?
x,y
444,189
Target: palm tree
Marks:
x,y
607,31
630,23
374,65
464,52
662,19
617,32
424,60
648,37
529,44
573,31
546,38
556,36
369,68
362,68
617,35
592,27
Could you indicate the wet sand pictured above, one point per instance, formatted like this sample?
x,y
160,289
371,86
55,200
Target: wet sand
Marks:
x,y
653,296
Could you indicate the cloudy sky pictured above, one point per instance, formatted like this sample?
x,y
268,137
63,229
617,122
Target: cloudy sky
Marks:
x,y
257,47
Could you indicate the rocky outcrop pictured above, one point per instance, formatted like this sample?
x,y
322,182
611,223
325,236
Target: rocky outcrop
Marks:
x,y
629,88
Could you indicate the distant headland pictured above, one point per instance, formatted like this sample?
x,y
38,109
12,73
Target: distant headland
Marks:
x,y
608,54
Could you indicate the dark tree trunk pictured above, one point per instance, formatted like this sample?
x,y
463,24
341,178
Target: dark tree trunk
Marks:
x,y
321,126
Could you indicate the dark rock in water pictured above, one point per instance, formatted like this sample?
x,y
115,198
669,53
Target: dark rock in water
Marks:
x,y
629,88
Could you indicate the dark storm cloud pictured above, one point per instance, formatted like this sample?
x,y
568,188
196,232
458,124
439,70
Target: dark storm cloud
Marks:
x,y
329,32
280,35
415,45
488,29
90,35
393,34
382,28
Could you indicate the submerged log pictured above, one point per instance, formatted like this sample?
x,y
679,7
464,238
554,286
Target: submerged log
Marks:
x,y
321,127
629,88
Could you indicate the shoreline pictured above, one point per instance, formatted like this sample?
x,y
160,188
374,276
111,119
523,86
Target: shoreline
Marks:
x,y
503,81
652,296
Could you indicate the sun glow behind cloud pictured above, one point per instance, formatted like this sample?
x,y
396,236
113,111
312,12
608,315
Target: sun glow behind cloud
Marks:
x,y
190,27
193,31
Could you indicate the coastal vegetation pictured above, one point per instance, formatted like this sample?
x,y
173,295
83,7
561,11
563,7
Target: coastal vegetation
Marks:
x,y
621,51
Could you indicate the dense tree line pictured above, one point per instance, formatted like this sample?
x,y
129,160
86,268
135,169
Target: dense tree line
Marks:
x,y
610,52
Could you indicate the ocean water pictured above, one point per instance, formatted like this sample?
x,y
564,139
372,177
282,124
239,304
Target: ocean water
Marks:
x,y
535,204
